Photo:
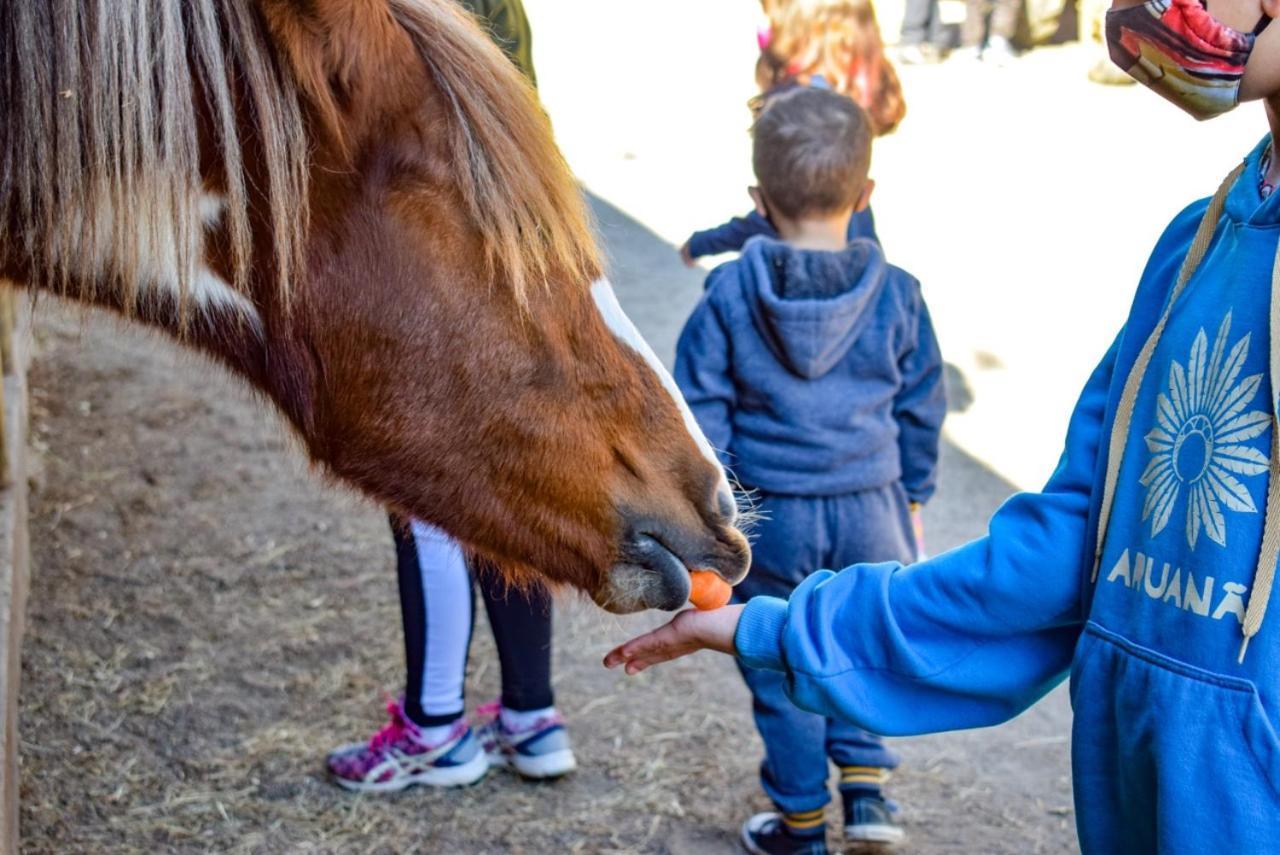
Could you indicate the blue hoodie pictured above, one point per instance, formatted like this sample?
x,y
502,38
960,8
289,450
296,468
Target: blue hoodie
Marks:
x,y
733,235
1174,744
815,373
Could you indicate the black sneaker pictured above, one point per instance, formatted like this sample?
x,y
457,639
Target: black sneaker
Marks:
x,y
767,834
869,818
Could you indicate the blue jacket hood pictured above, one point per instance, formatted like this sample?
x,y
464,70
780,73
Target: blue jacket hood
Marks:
x,y
810,305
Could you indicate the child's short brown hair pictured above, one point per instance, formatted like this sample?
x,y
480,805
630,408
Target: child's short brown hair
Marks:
x,y
811,152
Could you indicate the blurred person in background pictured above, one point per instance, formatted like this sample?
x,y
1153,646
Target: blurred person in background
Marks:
x,y
828,44
923,40
988,31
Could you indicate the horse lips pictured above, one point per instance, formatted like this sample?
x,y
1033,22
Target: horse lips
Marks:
x,y
708,591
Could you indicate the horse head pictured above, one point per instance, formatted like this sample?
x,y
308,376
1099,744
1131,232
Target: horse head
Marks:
x,y
360,209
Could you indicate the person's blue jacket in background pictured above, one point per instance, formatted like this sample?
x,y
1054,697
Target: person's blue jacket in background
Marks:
x,y
1174,743
815,373
733,235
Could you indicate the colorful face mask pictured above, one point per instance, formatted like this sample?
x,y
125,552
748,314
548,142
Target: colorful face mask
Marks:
x,y
1178,50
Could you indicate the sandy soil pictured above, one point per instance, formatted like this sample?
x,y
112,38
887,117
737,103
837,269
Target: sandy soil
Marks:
x,y
207,619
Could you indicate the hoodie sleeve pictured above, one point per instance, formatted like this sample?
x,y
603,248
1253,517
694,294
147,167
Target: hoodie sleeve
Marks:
x,y
967,639
703,359
731,236
919,408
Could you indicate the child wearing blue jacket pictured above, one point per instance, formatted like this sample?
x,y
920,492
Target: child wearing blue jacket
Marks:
x,y
811,365
1144,568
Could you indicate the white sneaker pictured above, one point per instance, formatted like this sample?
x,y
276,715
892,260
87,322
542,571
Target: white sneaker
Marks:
x,y
539,751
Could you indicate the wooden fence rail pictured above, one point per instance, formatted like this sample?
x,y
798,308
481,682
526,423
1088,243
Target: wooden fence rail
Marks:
x,y
14,546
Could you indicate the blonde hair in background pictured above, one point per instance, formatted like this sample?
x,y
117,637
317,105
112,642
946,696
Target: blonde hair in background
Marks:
x,y
840,41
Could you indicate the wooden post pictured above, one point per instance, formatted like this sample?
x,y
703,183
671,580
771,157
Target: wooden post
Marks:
x,y
15,557
6,326
6,353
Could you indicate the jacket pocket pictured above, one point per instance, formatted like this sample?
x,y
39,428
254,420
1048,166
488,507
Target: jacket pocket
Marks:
x,y
1170,757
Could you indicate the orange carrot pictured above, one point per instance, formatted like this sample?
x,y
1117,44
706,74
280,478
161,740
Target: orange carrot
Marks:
x,y
708,591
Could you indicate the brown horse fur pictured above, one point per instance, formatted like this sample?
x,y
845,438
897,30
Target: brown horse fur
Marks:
x,y
358,206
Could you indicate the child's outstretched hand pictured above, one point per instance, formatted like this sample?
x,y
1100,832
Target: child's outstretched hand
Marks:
x,y
686,255
688,632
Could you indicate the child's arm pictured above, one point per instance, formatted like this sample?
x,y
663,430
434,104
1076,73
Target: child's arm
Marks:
x,y
967,639
702,372
728,237
919,408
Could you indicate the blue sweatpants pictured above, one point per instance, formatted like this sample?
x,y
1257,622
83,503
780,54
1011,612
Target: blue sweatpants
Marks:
x,y
796,536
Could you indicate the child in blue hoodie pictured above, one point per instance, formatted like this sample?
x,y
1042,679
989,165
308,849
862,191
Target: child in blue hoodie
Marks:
x,y
811,365
1144,568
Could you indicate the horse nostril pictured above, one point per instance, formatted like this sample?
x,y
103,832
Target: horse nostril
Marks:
x,y
726,503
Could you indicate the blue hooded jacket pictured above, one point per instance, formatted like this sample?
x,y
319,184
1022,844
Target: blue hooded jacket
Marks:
x,y
1174,742
815,373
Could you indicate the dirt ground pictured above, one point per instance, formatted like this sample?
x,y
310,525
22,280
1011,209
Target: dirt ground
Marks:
x,y
207,619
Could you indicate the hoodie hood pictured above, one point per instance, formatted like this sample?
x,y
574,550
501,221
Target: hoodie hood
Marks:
x,y
810,305
1243,204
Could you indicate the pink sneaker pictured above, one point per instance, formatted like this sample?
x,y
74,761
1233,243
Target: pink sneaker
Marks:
x,y
540,751
397,756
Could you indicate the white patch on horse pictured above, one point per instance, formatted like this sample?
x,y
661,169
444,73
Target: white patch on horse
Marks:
x,y
209,290
158,261
622,327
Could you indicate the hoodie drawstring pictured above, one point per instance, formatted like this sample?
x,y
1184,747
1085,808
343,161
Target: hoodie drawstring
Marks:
x,y
1129,396
1264,573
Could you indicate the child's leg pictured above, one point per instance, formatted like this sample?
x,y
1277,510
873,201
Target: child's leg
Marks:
x,y
974,30
527,733
426,740
862,758
794,770
868,526
1004,18
437,610
521,622
917,21
864,763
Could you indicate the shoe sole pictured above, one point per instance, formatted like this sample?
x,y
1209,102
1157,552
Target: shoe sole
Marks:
x,y
889,834
437,776
539,767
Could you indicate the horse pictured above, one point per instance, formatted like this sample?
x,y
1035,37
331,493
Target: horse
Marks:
x,y
358,208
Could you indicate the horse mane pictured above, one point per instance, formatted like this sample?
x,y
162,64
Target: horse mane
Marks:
x,y
99,150
100,158
517,187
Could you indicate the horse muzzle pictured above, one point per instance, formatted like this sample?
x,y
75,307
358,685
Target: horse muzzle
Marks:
x,y
650,575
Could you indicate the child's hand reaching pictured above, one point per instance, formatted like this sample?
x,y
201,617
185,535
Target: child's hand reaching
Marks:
x,y
686,255
688,632
917,528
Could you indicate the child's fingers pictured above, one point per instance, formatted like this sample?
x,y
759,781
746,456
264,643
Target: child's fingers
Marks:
x,y
666,642
641,645
640,663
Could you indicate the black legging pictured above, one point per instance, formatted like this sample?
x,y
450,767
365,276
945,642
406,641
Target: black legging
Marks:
x,y
438,611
